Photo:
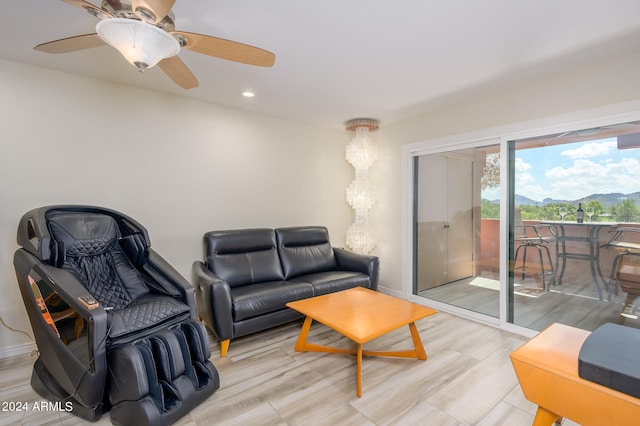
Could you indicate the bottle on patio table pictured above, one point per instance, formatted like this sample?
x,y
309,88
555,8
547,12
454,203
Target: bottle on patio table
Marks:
x,y
580,214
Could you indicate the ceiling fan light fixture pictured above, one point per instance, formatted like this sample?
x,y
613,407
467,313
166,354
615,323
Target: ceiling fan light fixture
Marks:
x,y
142,44
145,15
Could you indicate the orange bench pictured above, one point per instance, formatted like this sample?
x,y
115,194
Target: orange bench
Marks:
x,y
547,369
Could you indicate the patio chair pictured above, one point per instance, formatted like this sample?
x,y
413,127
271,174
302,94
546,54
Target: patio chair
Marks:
x,y
534,237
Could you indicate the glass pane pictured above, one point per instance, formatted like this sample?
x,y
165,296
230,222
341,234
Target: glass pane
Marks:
x,y
65,322
457,228
572,194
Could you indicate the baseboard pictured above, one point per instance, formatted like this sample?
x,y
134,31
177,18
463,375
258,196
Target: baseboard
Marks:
x,y
17,350
390,291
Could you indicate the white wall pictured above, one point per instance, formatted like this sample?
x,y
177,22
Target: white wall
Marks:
x,y
180,167
589,86
67,139
603,88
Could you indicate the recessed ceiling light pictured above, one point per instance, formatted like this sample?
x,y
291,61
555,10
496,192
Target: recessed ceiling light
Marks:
x,y
248,94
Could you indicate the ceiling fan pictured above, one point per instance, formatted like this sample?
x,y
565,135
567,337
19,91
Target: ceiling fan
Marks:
x,y
597,130
144,33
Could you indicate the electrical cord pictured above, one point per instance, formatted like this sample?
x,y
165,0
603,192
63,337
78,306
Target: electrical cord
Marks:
x,y
4,323
102,342
36,352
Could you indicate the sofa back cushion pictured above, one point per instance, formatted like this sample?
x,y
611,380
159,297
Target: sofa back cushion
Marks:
x,y
243,256
305,250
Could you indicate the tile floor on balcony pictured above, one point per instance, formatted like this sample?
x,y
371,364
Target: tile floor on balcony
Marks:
x,y
575,302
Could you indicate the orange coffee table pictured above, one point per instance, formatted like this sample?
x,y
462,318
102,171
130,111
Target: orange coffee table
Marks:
x,y
361,315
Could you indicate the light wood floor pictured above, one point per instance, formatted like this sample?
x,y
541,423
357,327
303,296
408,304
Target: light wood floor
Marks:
x,y
467,380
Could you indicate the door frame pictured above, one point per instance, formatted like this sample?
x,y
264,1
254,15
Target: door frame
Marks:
x,y
441,196
611,114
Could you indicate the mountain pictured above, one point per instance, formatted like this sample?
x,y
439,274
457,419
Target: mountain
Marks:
x,y
521,200
606,200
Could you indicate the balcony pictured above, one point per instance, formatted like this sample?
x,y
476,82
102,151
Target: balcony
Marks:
x,y
583,299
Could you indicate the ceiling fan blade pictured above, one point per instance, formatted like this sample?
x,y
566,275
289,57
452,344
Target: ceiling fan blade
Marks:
x,y
92,9
154,10
71,44
227,49
177,71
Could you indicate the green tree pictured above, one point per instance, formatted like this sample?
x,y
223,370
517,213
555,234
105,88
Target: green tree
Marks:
x,y
597,205
491,171
598,208
626,211
490,210
490,179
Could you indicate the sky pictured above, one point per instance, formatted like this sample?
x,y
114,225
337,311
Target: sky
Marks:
x,y
574,171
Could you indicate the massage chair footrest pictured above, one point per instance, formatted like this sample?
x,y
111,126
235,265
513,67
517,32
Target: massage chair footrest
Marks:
x,y
159,379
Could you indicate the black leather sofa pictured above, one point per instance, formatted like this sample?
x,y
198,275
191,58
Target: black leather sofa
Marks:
x,y
249,275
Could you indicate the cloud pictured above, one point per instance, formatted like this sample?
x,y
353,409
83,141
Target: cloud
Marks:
x,y
522,166
569,174
592,149
525,182
522,174
586,177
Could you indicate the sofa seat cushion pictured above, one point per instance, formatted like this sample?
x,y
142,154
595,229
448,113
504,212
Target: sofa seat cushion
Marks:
x,y
263,298
332,281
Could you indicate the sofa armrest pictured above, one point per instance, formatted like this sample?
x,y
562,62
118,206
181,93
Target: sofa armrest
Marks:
x,y
366,264
213,296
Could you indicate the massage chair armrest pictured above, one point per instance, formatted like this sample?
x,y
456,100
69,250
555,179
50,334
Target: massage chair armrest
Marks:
x,y
213,296
172,282
80,366
70,290
366,264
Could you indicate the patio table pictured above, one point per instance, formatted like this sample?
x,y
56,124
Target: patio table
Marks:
x,y
590,236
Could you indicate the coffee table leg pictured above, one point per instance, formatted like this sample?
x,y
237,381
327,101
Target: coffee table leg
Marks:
x,y
359,362
301,344
417,342
418,352
545,417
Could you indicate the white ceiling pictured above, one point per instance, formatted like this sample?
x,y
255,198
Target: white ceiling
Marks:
x,y
342,59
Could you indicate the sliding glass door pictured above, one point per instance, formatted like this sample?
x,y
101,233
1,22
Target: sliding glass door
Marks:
x,y
568,208
456,242
573,192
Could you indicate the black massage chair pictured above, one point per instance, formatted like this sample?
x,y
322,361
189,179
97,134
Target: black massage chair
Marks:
x,y
114,323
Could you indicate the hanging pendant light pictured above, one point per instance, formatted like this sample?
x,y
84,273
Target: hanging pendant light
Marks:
x,y
361,153
142,44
